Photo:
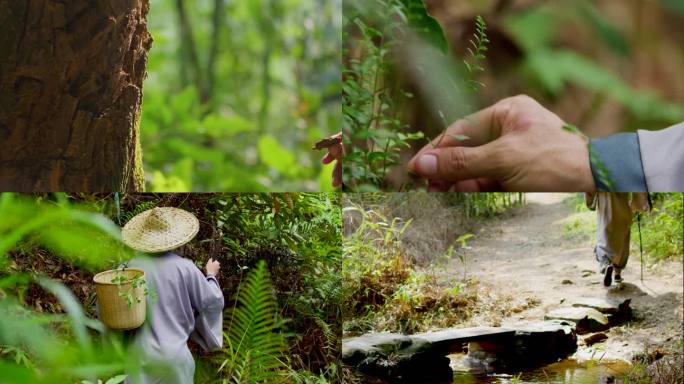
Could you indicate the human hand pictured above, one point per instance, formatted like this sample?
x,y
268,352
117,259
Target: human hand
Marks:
x,y
513,145
335,153
213,267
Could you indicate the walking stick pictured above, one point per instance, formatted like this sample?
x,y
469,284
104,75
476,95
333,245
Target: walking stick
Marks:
x,y
641,246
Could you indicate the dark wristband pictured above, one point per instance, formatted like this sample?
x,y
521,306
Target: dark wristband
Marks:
x,y
616,163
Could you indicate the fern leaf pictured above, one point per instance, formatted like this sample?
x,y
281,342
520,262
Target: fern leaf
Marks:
x,y
255,341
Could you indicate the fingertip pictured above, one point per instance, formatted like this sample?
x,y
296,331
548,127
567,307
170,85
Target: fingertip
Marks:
x,y
426,164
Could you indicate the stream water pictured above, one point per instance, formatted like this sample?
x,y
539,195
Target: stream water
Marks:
x,y
565,371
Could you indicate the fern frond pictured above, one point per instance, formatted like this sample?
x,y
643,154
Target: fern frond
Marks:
x,y
331,339
479,43
142,207
255,342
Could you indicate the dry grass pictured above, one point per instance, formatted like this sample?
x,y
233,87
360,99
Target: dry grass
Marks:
x,y
395,274
435,224
656,366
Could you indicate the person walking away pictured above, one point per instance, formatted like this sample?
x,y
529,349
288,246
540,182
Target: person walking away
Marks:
x,y
615,212
188,304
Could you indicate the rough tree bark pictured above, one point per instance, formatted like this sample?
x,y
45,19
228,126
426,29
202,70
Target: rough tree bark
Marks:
x,y
71,75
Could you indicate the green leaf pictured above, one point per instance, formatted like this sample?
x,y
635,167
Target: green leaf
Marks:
x,y
425,25
219,126
553,68
116,379
604,29
276,156
532,29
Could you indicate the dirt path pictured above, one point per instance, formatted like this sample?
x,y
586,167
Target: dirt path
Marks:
x,y
526,254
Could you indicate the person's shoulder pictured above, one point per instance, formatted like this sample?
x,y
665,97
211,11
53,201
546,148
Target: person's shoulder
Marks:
x,y
183,262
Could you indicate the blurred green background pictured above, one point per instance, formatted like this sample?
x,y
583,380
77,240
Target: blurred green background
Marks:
x,y
237,93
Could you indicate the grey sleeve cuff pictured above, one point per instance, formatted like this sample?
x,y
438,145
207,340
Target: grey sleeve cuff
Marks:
x,y
616,163
211,277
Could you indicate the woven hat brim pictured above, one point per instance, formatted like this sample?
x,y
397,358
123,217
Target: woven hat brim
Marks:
x,y
183,227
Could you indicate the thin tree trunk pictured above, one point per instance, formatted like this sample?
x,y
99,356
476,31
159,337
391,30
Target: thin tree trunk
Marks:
x,y
71,76
189,48
267,31
217,29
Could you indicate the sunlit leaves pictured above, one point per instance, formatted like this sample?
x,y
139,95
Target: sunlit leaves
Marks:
x,y
273,154
218,135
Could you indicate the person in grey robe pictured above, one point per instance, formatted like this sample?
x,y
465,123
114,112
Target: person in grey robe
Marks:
x,y
184,304
614,222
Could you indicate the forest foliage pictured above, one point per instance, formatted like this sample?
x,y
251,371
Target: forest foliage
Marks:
x,y
237,93
280,277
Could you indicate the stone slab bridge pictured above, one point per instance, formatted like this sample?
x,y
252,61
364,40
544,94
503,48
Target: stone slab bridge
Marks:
x,y
423,357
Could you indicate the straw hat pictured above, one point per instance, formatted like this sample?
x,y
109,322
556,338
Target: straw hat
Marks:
x,y
160,229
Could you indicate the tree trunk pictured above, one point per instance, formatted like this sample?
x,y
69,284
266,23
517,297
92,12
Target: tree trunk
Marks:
x,y
71,75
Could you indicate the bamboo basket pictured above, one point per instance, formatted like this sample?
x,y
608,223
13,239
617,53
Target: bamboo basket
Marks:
x,y
114,310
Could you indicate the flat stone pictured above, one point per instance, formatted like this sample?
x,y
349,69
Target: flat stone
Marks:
x,y
586,319
394,356
543,327
464,335
373,344
451,340
612,305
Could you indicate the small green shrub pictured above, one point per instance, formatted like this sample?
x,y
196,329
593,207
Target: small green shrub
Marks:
x,y
662,229
374,94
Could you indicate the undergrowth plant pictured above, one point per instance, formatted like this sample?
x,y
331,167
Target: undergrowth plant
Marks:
x,y
371,104
63,347
255,343
374,100
128,287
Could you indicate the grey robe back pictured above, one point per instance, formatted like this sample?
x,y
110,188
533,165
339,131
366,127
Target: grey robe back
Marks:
x,y
188,305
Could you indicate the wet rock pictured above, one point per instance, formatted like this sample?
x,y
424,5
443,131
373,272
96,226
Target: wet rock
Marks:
x,y
484,357
585,319
542,341
394,356
594,338
359,348
606,305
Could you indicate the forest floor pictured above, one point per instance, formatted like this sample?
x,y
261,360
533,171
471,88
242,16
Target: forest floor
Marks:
x,y
529,255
